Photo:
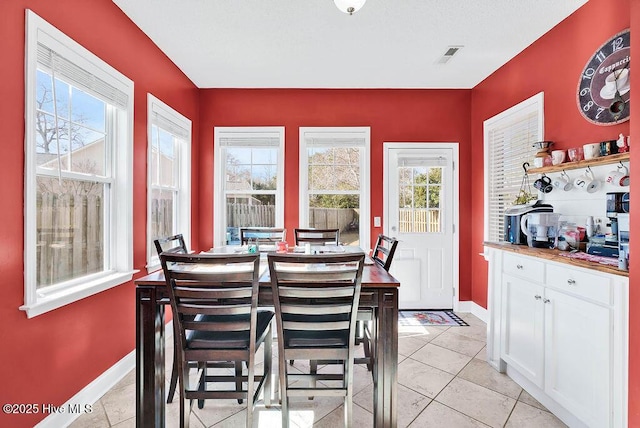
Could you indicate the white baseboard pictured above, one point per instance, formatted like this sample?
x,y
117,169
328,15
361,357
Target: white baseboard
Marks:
x,y
90,394
84,400
473,308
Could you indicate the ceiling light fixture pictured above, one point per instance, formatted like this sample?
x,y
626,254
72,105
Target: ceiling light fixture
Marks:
x,y
349,6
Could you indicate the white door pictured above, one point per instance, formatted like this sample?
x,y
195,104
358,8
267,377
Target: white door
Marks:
x,y
419,210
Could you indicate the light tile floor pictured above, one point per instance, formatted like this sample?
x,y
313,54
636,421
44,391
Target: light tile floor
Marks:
x,y
443,377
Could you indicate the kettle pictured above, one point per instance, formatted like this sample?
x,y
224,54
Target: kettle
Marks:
x,y
541,229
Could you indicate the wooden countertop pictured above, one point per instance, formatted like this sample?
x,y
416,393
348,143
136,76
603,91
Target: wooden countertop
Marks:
x,y
554,255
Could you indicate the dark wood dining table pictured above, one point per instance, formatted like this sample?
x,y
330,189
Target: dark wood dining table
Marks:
x,y
379,293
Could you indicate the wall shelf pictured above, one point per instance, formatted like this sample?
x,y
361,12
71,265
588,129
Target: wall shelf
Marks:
x,y
603,160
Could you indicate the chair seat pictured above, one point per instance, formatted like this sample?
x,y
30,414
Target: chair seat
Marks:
x,y
317,339
229,339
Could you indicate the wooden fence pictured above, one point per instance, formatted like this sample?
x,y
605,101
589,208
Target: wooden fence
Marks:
x,y
69,235
419,220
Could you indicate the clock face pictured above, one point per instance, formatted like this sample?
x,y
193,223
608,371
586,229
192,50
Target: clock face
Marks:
x,y
603,88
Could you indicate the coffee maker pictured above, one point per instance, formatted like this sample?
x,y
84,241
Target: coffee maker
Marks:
x,y
617,203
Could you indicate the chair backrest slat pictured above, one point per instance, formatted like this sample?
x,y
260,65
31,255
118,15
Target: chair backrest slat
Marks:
x,y
316,293
171,244
317,236
384,251
222,287
263,235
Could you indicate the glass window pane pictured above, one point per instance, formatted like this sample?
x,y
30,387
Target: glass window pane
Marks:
x,y
44,94
248,211
336,211
238,155
320,156
321,177
163,207
70,229
435,175
88,151
155,158
264,156
434,196
420,196
264,177
167,158
434,221
347,177
87,110
238,177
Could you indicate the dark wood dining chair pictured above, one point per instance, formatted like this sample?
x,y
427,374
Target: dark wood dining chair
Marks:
x,y
316,300
172,244
317,236
263,235
214,299
382,255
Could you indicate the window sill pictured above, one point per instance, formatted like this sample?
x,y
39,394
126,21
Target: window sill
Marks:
x,y
152,267
61,298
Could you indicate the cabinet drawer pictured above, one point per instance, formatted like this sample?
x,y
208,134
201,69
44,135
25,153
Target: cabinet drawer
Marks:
x,y
584,284
524,267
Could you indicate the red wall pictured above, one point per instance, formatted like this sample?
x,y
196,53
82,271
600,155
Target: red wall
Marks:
x,y
49,358
393,115
551,65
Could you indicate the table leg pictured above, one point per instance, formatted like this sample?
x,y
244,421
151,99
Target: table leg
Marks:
x,y
385,369
150,379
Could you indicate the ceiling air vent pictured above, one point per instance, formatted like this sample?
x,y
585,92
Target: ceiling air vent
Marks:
x,y
451,51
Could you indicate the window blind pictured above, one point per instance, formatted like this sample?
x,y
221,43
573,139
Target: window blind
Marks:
x,y
79,77
509,142
250,141
180,130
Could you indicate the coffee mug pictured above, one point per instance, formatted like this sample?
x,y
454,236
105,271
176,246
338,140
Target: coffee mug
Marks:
x,y
543,184
587,182
591,151
558,156
563,182
575,154
619,177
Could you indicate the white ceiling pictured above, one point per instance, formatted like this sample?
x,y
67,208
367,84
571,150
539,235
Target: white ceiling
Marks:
x,y
311,44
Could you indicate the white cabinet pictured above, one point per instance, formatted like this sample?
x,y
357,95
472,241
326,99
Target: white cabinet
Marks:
x,y
577,356
522,340
561,332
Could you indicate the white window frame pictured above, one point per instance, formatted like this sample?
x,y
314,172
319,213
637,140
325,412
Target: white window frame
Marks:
x,y
219,200
515,114
119,219
165,117
362,132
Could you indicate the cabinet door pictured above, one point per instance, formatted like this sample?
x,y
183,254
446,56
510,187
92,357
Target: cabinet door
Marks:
x,y
522,338
578,344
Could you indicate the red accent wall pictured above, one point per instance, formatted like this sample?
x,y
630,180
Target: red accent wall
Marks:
x,y
552,65
393,115
49,358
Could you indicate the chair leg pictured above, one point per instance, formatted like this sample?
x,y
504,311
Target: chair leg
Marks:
x,y
313,370
284,398
367,343
238,365
348,399
185,412
174,379
202,381
268,344
250,388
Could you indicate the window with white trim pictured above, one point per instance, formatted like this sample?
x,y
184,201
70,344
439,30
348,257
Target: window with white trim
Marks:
x,y
334,181
78,171
248,181
508,144
169,182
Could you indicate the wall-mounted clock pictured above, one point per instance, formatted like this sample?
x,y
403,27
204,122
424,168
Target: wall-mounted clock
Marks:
x,y
603,88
